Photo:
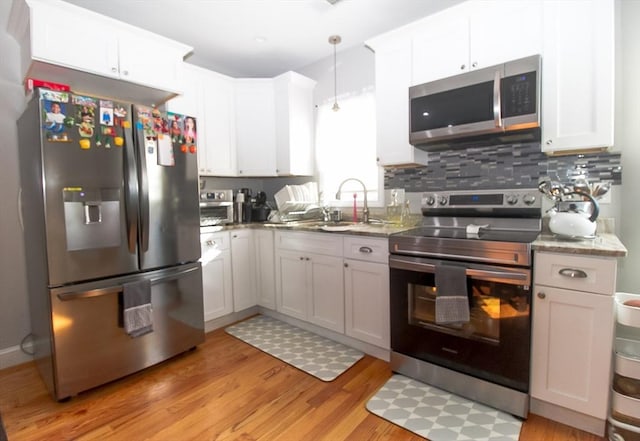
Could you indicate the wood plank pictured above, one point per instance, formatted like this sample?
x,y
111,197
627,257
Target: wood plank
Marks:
x,y
224,390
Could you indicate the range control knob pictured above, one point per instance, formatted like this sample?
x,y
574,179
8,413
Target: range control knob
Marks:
x,y
430,200
442,200
220,195
203,196
512,199
529,199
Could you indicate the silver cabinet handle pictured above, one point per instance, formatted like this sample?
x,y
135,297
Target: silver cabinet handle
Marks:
x,y
346,265
549,141
462,66
301,258
114,69
366,250
541,295
126,72
475,64
573,273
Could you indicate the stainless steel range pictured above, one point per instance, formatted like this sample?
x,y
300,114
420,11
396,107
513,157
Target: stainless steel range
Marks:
x,y
483,238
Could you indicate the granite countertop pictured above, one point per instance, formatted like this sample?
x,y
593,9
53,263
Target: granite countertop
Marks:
x,y
358,229
606,243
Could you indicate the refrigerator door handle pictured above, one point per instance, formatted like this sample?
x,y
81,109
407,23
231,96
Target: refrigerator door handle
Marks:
x,y
164,277
131,191
144,194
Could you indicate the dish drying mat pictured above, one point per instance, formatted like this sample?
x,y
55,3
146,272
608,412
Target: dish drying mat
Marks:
x,y
318,356
439,415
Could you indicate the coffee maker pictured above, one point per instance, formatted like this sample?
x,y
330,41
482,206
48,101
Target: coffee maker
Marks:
x,y
260,210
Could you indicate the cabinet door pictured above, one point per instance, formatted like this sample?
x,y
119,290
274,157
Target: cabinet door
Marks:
x,y
216,275
571,349
243,270
326,300
291,283
495,21
440,48
255,127
367,302
58,38
265,268
578,75
149,60
393,76
219,125
294,124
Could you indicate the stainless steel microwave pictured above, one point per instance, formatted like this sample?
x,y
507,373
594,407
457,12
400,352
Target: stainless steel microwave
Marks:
x,y
498,102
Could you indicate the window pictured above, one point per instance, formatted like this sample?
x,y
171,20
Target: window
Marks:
x,y
346,148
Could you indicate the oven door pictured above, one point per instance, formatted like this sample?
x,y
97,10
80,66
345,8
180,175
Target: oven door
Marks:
x,y
493,345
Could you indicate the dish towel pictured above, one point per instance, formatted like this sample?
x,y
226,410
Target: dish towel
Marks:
x,y
452,300
137,312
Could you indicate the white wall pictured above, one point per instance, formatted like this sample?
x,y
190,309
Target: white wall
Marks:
x,y
14,311
628,140
355,72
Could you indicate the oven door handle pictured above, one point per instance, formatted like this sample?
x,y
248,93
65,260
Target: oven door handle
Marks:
x,y
478,274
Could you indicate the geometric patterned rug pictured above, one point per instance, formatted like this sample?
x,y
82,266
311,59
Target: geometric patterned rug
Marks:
x,y
439,415
323,358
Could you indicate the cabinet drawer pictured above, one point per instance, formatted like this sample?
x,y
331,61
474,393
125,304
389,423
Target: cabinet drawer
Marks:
x,y
219,240
317,243
592,274
366,248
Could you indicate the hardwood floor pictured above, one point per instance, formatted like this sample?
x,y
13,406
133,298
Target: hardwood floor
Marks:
x,y
224,390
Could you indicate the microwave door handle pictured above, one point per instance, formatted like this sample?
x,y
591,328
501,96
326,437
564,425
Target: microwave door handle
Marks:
x,y
497,105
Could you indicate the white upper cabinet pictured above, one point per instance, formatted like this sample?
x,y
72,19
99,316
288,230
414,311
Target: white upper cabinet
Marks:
x,y
255,126
95,54
578,75
219,123
393,78
209,97
294,124
440,48
475,35
274,125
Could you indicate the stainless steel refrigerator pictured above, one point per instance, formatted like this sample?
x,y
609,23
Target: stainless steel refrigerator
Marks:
x,y
108,200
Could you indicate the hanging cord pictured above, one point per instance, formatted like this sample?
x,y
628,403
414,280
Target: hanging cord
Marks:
x,y
334,40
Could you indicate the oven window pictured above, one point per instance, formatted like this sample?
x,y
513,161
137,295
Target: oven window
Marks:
x,y
490,303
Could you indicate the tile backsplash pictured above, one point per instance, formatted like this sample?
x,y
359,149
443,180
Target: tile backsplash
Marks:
x,y
502,166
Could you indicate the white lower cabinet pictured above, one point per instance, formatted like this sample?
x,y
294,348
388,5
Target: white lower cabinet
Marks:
x,y
572,337
337,282
265,268
243,269
216,275
309,278
326,291
366,289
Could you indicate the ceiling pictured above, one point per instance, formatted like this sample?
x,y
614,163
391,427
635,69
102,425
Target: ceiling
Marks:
x,y
263,38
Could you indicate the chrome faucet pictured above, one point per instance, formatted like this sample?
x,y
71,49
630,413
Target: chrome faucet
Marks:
x,y
365,207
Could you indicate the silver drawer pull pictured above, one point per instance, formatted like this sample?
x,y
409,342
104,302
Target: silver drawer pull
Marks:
x,y
366,250
573,273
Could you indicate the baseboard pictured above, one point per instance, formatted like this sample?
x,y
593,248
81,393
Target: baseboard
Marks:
x,y
228,319
567,416
13,356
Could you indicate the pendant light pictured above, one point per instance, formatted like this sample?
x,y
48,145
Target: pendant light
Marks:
x,y
334,40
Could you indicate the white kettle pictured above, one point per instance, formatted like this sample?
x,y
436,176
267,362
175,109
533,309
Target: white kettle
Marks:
x,y
574,223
